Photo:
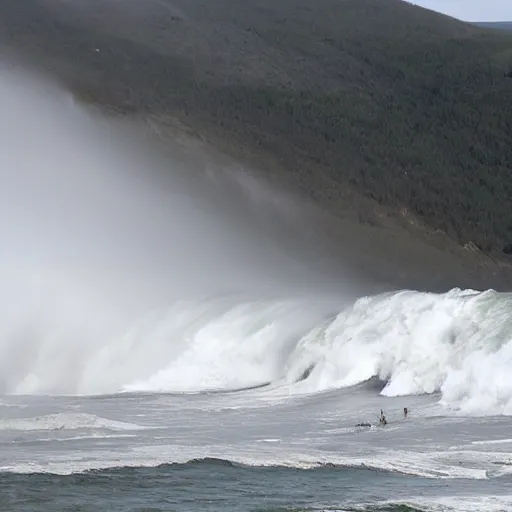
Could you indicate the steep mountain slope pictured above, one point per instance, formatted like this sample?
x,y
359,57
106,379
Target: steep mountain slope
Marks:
x,y
378,98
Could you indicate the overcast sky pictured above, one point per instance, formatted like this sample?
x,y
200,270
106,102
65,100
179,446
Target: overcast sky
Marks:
x,y
471,10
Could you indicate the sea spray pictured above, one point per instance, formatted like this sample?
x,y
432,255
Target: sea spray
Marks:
x,y
458,344
99,232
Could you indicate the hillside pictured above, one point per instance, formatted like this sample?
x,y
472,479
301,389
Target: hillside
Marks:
x,y
500,25
375,97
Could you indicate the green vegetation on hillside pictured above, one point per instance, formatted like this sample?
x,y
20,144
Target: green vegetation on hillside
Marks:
x,y
406,106
499,25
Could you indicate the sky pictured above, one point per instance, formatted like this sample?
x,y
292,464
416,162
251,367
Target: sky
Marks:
x,y
471,10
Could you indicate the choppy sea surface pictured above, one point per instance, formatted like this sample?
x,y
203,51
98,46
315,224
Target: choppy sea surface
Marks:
x,y
291,443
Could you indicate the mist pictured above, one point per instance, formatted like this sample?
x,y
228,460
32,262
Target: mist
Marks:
x,y
99,229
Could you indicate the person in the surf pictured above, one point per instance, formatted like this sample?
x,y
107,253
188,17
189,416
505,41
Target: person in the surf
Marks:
x,y
382,420
405,412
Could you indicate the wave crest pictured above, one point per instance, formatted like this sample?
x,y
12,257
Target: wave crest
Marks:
x,y
458,343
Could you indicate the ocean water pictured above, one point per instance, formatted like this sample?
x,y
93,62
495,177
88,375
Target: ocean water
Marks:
x,y
257,409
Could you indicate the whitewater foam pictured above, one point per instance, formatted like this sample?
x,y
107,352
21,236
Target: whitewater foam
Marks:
x,y
241,346
422,465
461,504
446,504
493,441
66,421
458,344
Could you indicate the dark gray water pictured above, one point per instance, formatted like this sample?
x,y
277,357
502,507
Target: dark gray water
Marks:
x,y
217,485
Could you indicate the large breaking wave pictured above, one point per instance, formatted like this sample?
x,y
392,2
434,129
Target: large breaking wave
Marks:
x,y
458,343
92,240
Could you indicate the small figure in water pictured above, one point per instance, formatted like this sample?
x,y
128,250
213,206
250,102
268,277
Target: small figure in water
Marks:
x,y
382,420
405,412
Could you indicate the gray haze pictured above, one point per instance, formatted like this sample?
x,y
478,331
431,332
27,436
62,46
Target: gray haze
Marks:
x,y
78,197
96,232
